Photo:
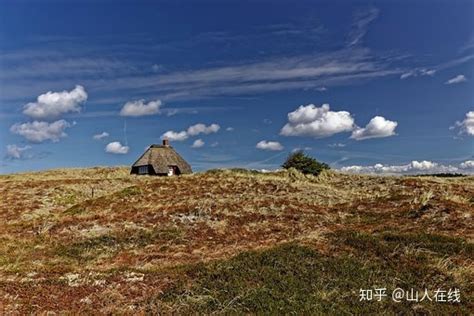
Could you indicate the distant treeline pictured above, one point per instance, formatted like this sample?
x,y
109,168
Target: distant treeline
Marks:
x,y
441,175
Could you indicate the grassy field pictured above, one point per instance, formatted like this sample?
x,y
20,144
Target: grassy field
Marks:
x,y
101,241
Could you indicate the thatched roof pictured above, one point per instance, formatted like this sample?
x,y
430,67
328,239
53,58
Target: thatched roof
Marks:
x,y
161,157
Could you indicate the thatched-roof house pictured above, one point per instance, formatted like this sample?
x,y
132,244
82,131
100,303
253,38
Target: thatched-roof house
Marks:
x,y
161,160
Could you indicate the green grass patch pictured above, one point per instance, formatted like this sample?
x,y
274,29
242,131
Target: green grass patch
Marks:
x,y
442,245
129,191
66,199
384,245
295,279
91,248
75,209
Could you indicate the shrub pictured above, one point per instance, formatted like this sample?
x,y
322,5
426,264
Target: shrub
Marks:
x,y
304,163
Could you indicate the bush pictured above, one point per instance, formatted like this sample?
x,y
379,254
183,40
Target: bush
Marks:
x,y
304,163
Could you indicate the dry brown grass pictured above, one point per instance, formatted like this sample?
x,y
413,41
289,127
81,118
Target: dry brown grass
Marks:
x,y
100,240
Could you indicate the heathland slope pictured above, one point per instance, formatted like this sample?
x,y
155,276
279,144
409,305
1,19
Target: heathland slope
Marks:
x,y
100,240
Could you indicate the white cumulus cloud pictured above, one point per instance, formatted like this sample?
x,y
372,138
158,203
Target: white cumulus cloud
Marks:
x,y
269,145
201,128
116,148
314,121
100,136
466,126
457,79
53,104
468,164
193,130
140,108
16,152
198,143
38,132
414,167
175,136
423,165
377,127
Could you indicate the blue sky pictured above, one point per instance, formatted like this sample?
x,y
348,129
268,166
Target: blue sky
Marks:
x,y
364,86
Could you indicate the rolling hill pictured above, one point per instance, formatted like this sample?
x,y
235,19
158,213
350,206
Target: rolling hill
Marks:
x,y
102,241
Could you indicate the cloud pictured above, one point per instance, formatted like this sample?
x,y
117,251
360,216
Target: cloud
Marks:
x,y
191,131
16,152
457,79
171,112
418,72
156,68
53,104
466,126
376,128
300,149
314,121
455,62
36,70
196,110
54,64
201,128
406,75
337,145
337,63
431,72
423,165
140,108
269,145
468,164
175,136
344,66
360,25
198,143
38,132
308,71
116,148
428,72
229,129
100,136
414,167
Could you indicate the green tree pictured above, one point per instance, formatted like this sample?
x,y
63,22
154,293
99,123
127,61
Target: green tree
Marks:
x,y
304,163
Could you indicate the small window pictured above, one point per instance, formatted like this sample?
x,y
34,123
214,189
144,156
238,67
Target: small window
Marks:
x,y
143,169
